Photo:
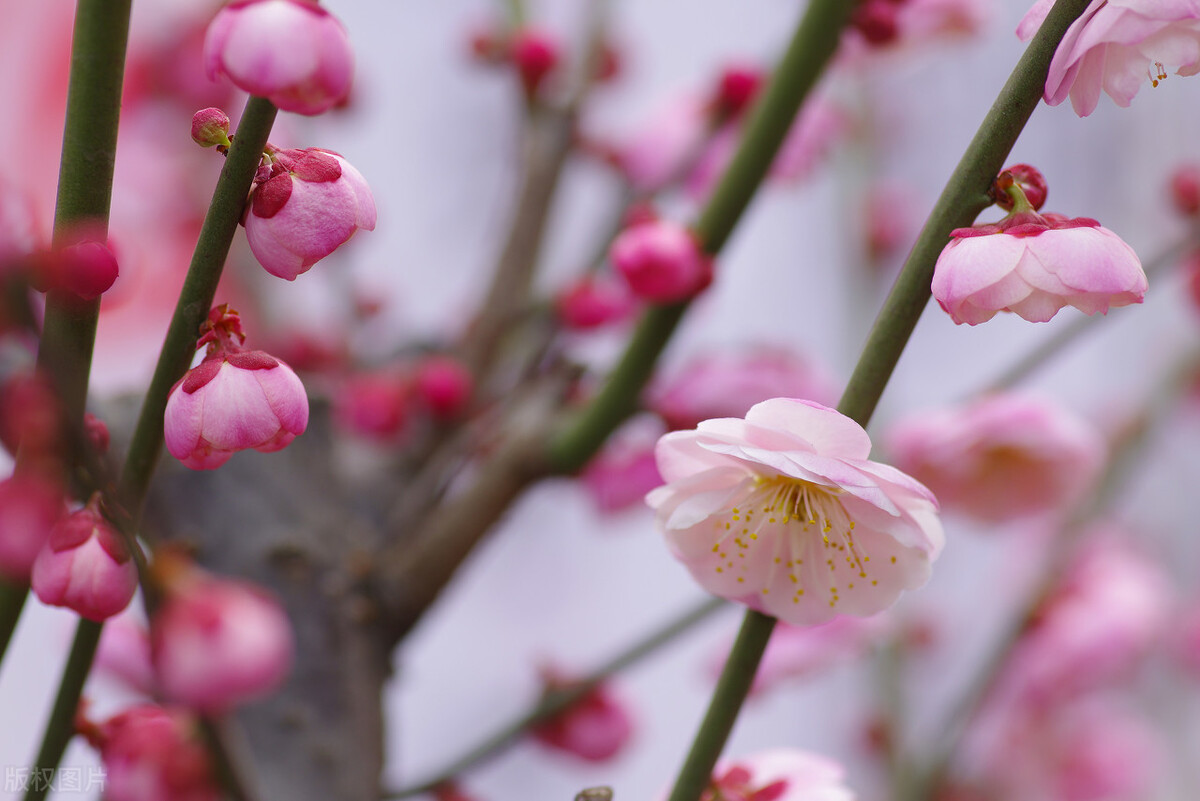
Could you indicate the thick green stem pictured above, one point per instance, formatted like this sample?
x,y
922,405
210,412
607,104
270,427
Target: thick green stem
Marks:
x,y
961,201
12,601
61,725
811,48
196,298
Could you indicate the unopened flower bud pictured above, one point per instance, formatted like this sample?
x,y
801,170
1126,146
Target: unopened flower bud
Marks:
x,y
29,508
210,126
1185,189
536,53
444,385
592,302
152,753
85,566
662,262
736,89
373,405
292,52
97,432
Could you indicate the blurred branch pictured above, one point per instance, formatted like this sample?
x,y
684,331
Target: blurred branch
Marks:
x,y
12,601
556,701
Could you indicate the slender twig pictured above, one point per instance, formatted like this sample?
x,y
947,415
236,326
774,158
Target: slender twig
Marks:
x,y
1123,456
556,701
12,601
961,201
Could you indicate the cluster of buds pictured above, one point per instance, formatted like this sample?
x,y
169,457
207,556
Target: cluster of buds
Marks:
x,y
381,404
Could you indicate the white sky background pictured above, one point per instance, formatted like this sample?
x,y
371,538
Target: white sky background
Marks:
x,y
435,136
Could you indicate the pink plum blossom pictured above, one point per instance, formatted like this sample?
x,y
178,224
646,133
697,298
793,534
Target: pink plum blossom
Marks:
x,y
375,405
726,383
781,774
624,470
124,654
802,652
292,52
233,400
1115,45
443,385
303,205
85,566
1033,264
29,508
595,728
535,53
593,302
153,753
783,512
217,642
1002,457
661,261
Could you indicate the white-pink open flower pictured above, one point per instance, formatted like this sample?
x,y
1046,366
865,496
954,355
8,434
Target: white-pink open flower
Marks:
x,y
1034,264
1115,45
784,512
781,774
303,206
292,52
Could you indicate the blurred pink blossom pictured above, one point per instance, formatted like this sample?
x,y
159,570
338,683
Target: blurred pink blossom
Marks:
x,y
783,512
1034,264
594,301
152,753
292,52
624,470
1115,45
443,385
375,405
29,508
595,728
781,774
85,566
909,26
999,458
726,383
661,261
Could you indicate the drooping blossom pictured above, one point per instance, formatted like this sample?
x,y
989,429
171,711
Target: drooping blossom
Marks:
x,y
1034,264
235,399
292,52
784,512
661,261
1002,457
595,728
303,205
1115,46
781,774
153,753
29,508
215,642
85,566
726,383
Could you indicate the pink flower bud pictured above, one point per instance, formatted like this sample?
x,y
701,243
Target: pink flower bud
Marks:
x,y
1185,189
29,508
151,753
230,402
736,89
292,52
97,432
594,728
29,415
210,126
87,269
876,21
217,643
311,202
661,261
374,405
535,52
124,654
444,385
85,566
592,302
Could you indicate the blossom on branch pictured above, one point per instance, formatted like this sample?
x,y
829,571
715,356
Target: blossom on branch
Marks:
x,y
781,774
783,512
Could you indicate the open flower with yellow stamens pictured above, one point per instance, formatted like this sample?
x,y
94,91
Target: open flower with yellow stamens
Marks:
x,y
783,512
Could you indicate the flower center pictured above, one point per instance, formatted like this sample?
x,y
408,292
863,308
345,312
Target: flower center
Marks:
x,y
794,528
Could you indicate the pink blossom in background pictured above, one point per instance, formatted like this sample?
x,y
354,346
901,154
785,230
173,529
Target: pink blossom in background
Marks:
x,y
886,26
620,475
661,261
375,405
783,512
124,654
443,385
726,383
1097,627
594,301
888,220
1002,457
217,643
535,53
1115,45
18,231
655,154
595,728
85,566
292,52
781,774
303,206
1033,265
29,508
153,753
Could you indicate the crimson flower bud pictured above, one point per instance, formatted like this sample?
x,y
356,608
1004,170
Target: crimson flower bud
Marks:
x,y
444,385
536,53
661,261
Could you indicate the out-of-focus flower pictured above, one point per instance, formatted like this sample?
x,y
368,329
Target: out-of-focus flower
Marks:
x,y
536,53
217,642
1109,611
592,302
782,774
374,405
443,385
999,458
1185,189
801,652
737,87
1115,45
29,508
1034,264
595,728
888,224
30,416
783,512
885,26
85,566
124,654
233,400
727,383
152,753
303,205
292,52
86,267
661,261
624,470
